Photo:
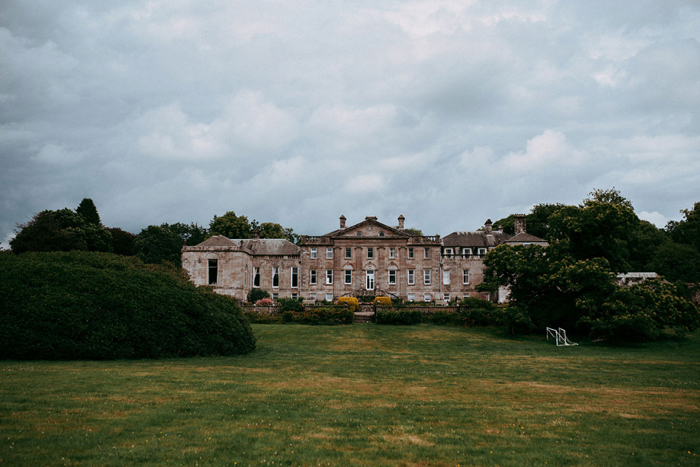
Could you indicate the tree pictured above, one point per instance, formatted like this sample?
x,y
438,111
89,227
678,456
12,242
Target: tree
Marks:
x,y
687,231
156,244
273,230
599,228
643,244
122,241
190,235
61,230
414,232
677,262
538,221
87,209
231,226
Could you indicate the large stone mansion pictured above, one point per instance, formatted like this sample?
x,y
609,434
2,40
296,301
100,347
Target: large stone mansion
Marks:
x,y
368,258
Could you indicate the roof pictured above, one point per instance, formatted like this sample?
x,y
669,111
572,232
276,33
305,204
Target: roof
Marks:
x,y
255,246
218,240
475,239
525,237
270,246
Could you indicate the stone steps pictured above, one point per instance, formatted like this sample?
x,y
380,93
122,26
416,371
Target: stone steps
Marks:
x,y
363,317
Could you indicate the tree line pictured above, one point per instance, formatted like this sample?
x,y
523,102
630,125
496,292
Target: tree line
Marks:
x,y
81,229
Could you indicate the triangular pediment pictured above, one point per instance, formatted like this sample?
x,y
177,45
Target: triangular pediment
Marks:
x,y
371,228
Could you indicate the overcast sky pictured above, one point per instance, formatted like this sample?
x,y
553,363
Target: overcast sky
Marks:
x,y
448,112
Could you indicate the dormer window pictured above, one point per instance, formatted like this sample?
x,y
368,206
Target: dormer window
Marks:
x,y
359,234
482,251
466,252
449,252
381,234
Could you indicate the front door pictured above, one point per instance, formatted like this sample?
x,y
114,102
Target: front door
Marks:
x,y
370,280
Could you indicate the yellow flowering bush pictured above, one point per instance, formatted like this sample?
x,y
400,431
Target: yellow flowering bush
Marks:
x,y
384,302
353,303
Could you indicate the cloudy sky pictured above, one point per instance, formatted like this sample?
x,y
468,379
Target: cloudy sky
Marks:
x,y
448,112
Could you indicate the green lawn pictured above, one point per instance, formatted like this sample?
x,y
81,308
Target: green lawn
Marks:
x,y
362,395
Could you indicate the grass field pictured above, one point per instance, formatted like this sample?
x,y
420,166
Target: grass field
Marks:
x,y
363,395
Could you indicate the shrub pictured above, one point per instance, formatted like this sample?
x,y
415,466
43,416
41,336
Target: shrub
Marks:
x,y
330,315
442,318
398,317
382,302
263,318
257,294
353,303
290,304
478,312
88,305
265,302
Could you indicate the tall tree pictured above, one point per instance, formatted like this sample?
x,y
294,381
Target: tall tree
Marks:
x,y
230,225
190,235
88,210
601,227
156,244
60,230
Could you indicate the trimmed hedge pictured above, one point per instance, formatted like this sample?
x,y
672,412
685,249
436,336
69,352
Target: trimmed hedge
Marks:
x,y
330,315
399,317
353,303
86,305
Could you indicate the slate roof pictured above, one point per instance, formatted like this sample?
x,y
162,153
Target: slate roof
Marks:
x,y
255,246
270,246
475,239
525,238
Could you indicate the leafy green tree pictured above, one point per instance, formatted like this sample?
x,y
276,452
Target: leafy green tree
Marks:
x,y
60,230
88,210
122,241
599,228
412,231
190,235
538,221
273,230
156,244
687,231
257,294
677,262
230,225
643,244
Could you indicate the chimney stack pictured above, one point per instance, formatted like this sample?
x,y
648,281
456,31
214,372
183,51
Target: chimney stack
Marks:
x,y
401,219
342,221
488,226
519,223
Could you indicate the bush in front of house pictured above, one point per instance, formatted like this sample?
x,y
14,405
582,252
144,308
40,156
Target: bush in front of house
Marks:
x,y
384,302
290,304
398,317
96,306
257,294
479,312
330,315
353,303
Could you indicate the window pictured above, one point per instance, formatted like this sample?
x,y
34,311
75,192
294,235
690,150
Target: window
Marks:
x,y
411,276
411,297
466,295
295,277
487,296
245,280
392,277
370,252
466,252
329,253
482,251
426,276
370,280
294,296
348,276
275,296
448,253
329,276
465,276
426,297
348,252
446,297
213,271
256,277
381,234
312,277
359,234
329,297
392,253
446,277
426,252
312,296
275,277
410,253
313,253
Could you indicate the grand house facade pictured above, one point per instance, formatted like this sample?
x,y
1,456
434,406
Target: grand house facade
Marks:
x,y
367,258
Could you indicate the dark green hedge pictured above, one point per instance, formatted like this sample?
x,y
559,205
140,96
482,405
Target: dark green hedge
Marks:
x,y
83,305
399,317
330,315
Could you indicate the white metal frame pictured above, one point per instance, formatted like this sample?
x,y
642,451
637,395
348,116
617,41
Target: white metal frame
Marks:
x,y
560,336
